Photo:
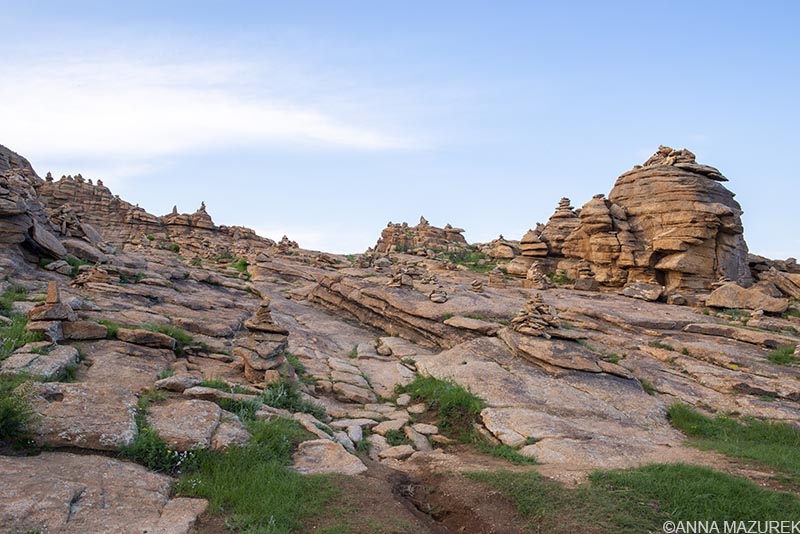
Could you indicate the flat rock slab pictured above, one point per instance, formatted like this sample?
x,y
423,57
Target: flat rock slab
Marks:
x,y
322,456
84,415
128,366
48,365
71,493
147,338
185,424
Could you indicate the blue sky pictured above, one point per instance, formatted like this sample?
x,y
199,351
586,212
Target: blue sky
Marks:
x,y
325,120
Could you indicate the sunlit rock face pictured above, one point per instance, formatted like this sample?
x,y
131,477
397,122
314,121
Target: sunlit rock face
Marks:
x,y
669,221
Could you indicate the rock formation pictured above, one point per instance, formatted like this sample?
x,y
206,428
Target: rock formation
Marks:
x,y
420,238
120,222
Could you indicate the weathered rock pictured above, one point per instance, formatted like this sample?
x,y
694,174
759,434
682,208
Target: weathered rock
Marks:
x,y
83,415
386,426
81,330
398,452
667,220
185,424
732,295
643,291
51,363
323,456
177,382
77,493
420,442
139,336
476,325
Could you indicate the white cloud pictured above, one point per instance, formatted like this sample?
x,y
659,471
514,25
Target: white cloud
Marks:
x,y
132,110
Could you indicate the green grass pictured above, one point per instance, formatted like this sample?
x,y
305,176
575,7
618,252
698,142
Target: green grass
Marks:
x,y
612,357
76,263
647,386
774,444
287,396
782,355
252,486
458,408
473,259
353,353
240,265
660,345
506,452
181,336
165,373
396,437
735,314
111,328
16,413
10,296
638,500
15,335
244,409
559,278
147,447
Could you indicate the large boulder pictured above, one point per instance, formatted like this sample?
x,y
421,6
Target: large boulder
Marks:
x,y
732,295
669,220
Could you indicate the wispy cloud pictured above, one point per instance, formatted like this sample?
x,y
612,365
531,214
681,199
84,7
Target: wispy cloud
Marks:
x,y
133,110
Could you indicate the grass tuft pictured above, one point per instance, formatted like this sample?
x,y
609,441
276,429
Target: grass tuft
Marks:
x,y
457,407
15,335
782,355
16,413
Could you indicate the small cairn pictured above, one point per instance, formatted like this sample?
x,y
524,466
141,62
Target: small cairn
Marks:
x,y
536,318
536,279
438,295
476,286
401,279
497,278
263,350
586,280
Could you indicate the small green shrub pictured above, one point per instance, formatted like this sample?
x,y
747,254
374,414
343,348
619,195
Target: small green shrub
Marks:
x,y
111,328
174,247
353,353
76,264
240,265
782,355
612,358
181,337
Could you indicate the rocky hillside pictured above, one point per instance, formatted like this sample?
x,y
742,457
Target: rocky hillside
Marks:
x,y
148,351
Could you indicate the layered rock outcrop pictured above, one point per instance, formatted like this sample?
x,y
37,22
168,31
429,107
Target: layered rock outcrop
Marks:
x,y
400,237
669,222
121,222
